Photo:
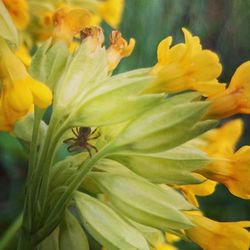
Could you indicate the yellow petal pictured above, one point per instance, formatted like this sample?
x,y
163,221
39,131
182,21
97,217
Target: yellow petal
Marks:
x,y
41,93
163,49
224,235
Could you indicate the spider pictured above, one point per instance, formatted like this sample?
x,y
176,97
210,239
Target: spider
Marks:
x,y
80,142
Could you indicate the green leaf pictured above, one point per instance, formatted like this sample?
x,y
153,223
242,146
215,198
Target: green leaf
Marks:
x,y
163,127
7,28
106,226
174,166
71,235
145,202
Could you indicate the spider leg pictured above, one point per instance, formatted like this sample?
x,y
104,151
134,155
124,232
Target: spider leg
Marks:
x,y
92,146
93,131
69,140
95,137
75,132
88,149
75,148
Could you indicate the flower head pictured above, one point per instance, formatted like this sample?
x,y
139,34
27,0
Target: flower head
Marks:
x,y
224,235
118,49
236,98
186,66
18,90
19,11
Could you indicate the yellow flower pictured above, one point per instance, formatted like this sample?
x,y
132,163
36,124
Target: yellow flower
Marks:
x,y
232,170
23,53
222,140
118,49
111,11
19,11
236,98
186,66
210,234
69,22
207,187
227,166
18,91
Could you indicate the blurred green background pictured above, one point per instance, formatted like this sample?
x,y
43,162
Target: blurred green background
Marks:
x,y
222,25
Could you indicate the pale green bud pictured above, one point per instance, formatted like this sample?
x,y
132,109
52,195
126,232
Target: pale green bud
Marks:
x,y
71,235
145,202
106,226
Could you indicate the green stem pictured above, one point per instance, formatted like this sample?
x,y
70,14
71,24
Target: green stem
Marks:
x,y
56,213
10,233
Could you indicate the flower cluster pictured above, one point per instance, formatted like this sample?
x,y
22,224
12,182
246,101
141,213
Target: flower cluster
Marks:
x,y
141,144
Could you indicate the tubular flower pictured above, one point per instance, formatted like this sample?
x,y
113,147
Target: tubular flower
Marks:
x,y
222,140
207,187
232,171
224,235
69,22
236,98
186,66
19,11
18,90
118,49
227,167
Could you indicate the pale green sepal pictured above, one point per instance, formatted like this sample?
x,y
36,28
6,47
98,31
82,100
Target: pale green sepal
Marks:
x,y
49,62
8,30
144,202
51,242
85,71
71,235
108,228
154,236
162,127
174,166
118,105
24,128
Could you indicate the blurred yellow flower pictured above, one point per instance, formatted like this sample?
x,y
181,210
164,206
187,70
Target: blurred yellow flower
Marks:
x,y
186,66
236,98
18,90
111,11
211,235
118,49
19,11
23,53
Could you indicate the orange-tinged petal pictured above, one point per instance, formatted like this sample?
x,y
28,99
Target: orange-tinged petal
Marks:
x,y
224,235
